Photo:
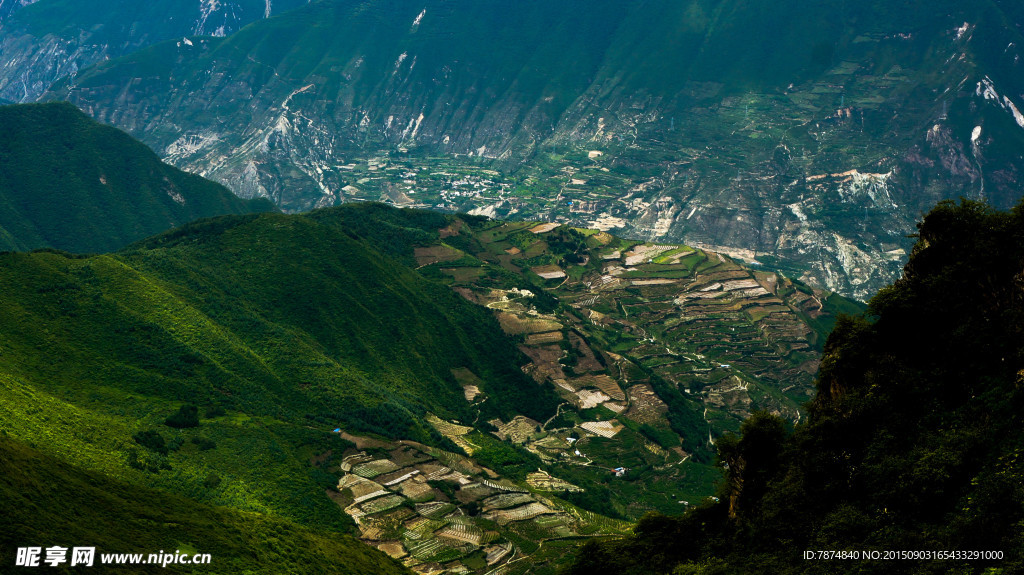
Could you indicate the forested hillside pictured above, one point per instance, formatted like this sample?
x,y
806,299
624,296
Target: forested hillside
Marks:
x,y
70,183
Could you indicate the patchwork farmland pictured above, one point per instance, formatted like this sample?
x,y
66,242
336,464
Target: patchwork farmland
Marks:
x,y
656,351
463,521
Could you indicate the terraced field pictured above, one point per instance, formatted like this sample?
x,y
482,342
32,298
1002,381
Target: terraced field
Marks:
x,y
655,349
477,518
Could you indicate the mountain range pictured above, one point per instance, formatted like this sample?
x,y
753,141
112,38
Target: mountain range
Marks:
x,y
479,288
44,41
806,138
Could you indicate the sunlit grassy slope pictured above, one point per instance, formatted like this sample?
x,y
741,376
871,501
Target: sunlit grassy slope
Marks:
x,y
277,328
47,502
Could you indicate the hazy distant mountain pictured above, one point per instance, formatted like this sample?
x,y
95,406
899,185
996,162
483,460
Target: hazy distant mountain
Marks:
x,y
53,38
7,7
70,183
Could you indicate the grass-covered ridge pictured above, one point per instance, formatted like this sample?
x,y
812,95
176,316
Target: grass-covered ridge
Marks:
x,y
48,502
70,183
277,328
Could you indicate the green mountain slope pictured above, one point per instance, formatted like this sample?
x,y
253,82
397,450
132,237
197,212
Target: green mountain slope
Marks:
x,y
49,502
513,366
45,40
913,442
70,183
278,328
811,134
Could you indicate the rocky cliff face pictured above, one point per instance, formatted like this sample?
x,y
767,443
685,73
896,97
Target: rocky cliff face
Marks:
x,y
58,38
807,139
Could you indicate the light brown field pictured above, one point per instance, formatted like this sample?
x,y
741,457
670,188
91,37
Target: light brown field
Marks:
x,y
517,325
436,254
644,405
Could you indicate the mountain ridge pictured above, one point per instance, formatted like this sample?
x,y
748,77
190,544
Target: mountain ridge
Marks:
x,y
70,183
